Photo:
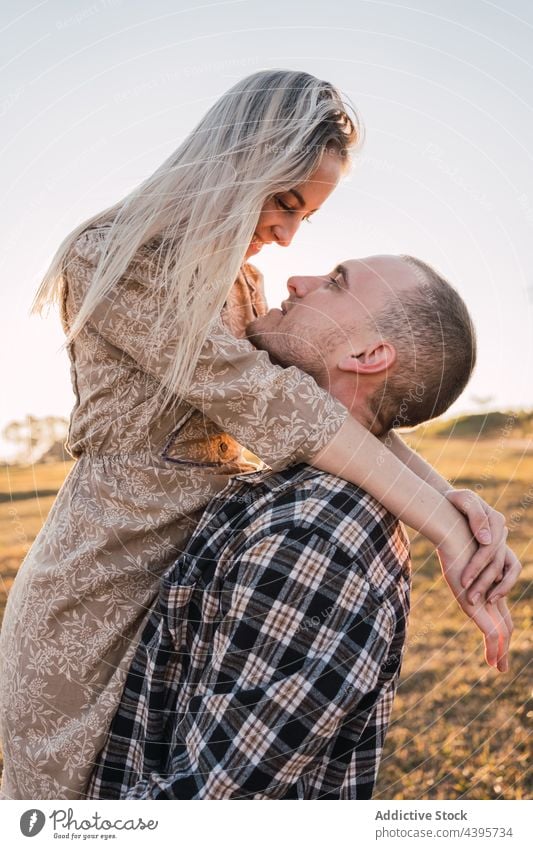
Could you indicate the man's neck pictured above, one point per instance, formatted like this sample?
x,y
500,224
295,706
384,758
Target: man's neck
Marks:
x,y
354,401
345,394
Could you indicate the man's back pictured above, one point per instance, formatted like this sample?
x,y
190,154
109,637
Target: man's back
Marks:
x,y
269,665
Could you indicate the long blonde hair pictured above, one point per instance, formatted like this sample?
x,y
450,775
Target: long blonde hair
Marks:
x,y
263,136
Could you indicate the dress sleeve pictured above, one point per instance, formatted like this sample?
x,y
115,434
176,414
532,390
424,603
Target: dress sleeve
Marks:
x,y
280,414
281,683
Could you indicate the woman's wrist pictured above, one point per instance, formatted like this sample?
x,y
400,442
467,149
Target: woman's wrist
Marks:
x,y
456,539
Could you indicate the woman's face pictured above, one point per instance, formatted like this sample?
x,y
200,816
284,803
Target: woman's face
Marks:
x,y
283,213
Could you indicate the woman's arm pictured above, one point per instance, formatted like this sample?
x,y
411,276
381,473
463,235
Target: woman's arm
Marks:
x,y
358,456
415,462
490,569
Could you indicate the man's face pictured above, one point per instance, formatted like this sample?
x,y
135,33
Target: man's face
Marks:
x,y
329,317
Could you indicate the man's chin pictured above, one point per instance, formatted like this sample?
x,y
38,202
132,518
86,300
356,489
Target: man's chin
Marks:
x,y
259,329
253,332
263,340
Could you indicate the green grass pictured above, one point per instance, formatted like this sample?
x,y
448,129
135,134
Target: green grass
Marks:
x,y
459,729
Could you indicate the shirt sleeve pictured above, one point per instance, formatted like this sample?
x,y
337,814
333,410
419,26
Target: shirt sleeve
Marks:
x,y
280,414
299,647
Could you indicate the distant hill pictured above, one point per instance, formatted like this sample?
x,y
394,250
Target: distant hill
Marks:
x,y
55,453
518,423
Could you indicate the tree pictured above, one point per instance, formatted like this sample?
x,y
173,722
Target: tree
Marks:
x,y
35,436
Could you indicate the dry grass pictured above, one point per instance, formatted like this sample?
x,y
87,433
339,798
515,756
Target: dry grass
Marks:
x,y
459,729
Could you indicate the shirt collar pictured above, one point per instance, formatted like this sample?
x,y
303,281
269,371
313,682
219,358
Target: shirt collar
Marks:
x,y
253,477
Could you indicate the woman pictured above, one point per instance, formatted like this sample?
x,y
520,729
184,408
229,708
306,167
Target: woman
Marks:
x,y
154,296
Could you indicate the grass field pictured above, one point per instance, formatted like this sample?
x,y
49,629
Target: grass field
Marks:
x,y
460,729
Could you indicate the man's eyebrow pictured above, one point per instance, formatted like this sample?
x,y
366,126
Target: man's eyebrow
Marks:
x,y
343,271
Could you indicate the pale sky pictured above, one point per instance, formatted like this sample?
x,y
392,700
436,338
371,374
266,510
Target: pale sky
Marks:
x,y
95,96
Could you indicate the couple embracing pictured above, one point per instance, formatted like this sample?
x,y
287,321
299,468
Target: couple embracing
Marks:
x,y
216,605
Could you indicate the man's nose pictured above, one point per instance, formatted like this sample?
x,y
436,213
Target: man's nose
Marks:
x,y
301,286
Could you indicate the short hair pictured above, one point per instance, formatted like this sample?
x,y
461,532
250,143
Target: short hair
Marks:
x,y
435,341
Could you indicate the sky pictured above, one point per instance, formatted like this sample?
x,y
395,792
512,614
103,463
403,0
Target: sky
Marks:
x,y
95,95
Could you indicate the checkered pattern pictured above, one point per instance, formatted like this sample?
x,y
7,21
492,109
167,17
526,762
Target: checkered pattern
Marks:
x,y
268,667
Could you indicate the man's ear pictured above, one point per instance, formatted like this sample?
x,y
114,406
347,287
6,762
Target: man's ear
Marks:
x,y
371,360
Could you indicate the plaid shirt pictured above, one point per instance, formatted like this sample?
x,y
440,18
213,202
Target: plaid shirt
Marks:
x,y
269,664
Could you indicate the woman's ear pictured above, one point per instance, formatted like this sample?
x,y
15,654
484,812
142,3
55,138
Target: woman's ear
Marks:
x,y
371,360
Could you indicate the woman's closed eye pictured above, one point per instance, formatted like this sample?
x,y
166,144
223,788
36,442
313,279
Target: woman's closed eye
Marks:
x,y
334,281
286,208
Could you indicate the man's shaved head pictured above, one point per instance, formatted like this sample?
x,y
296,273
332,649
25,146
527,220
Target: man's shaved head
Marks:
x,y
387,335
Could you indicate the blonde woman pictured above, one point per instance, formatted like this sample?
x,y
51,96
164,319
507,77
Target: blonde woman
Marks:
x,y
155,295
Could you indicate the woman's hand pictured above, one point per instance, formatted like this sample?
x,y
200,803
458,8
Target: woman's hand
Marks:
x,y
493,619
494,568
486,524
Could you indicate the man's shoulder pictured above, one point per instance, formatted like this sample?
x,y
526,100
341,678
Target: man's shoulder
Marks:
x,y
307,510
307,486
306,497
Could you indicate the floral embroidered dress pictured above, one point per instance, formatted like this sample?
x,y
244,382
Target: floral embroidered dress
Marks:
x,y
132,499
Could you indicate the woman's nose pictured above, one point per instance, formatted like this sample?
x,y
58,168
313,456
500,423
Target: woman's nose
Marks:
x,y
284,233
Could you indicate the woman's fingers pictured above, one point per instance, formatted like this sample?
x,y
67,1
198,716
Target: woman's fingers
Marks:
x,y
502,619
505,614
487,572
483,558
472,506
511,572
488,577
496,624
491,635
497,521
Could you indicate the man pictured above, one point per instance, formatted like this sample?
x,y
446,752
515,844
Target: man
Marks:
x,y
268,667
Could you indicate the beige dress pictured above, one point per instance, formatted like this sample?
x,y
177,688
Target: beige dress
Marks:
x,y
127,507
